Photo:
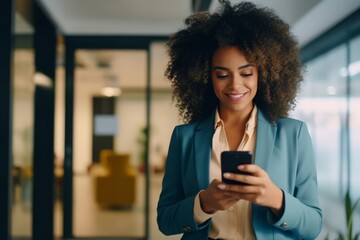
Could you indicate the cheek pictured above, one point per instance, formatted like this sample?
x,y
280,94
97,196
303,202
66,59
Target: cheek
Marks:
x,y
254,84
216,89
215,85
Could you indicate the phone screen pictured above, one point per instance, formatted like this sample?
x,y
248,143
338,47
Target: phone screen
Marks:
x,y
230,160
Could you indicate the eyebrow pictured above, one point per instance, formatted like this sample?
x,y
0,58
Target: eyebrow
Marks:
x,y
239,68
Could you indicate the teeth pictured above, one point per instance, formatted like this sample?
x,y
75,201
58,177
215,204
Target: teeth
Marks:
x,y
236,95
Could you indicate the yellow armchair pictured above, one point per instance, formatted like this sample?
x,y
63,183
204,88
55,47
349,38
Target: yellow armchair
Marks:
x,y
116,185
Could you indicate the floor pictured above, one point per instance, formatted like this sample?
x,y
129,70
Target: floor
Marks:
x,y
92,221
89,219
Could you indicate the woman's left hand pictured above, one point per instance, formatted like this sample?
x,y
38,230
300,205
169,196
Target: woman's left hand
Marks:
x,y
258,188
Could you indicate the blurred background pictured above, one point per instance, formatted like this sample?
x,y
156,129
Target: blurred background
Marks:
x,y
86,113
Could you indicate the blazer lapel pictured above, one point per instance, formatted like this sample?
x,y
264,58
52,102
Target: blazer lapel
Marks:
x,y
202,150
265,139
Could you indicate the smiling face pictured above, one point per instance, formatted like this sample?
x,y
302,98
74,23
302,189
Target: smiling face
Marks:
x,y
234,79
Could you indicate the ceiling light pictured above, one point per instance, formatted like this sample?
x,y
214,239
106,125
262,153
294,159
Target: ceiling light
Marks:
x,y
111,91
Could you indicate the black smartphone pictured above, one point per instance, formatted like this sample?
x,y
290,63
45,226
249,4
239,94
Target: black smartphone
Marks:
x,y
230,160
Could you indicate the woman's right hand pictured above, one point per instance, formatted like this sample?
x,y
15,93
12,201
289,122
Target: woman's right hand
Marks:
x,y
213,198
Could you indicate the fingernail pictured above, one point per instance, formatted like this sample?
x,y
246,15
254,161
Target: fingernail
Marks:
x,y
241,167
221,186
227,175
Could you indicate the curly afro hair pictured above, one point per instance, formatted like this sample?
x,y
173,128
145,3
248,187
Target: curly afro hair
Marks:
x,y
264,39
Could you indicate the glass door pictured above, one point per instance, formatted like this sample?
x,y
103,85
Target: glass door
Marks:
x,y
22,170
109,144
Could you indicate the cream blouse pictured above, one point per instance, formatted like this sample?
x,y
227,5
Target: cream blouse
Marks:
x,y
234,223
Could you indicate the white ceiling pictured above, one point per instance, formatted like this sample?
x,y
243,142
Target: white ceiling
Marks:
x,y
145,16
308,18
116,16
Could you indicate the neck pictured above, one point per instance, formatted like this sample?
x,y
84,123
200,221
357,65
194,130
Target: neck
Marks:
x,y
236,117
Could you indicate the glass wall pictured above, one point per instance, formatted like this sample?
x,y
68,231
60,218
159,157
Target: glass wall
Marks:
x,y
97,71
329,103
322,105
354,73
109,142
23,114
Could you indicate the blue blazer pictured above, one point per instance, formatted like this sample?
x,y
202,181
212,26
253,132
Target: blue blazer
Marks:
x,y
283,149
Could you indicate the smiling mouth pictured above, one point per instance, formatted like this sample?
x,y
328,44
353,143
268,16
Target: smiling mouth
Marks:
x,y
236,96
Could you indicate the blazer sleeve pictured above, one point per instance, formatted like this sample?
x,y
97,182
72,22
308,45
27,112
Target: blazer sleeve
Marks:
x,y
302,214
175,209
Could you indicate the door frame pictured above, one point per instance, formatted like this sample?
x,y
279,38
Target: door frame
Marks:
x,y
7,18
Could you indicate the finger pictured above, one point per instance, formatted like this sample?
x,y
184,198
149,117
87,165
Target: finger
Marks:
x,y
215,182
227,193
220,192
247,179
251,197
234,190
252,169
214,185
235,197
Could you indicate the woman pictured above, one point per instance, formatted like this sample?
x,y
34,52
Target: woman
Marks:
x,y
235,75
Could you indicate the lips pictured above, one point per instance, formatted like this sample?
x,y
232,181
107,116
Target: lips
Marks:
x,y
235,97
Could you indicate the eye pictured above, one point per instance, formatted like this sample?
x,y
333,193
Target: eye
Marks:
x,y
222,76
246,74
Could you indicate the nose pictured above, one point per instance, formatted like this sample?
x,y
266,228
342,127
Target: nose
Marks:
x,y
236,81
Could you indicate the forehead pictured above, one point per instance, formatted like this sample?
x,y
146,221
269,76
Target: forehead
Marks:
x,y
229,56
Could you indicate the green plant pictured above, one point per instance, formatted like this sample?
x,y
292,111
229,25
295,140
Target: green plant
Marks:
x,y
349,210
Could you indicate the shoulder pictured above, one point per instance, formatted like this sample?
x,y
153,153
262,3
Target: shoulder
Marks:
x,y
184,132
207,123
289,122
292,126
185,128
281,123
